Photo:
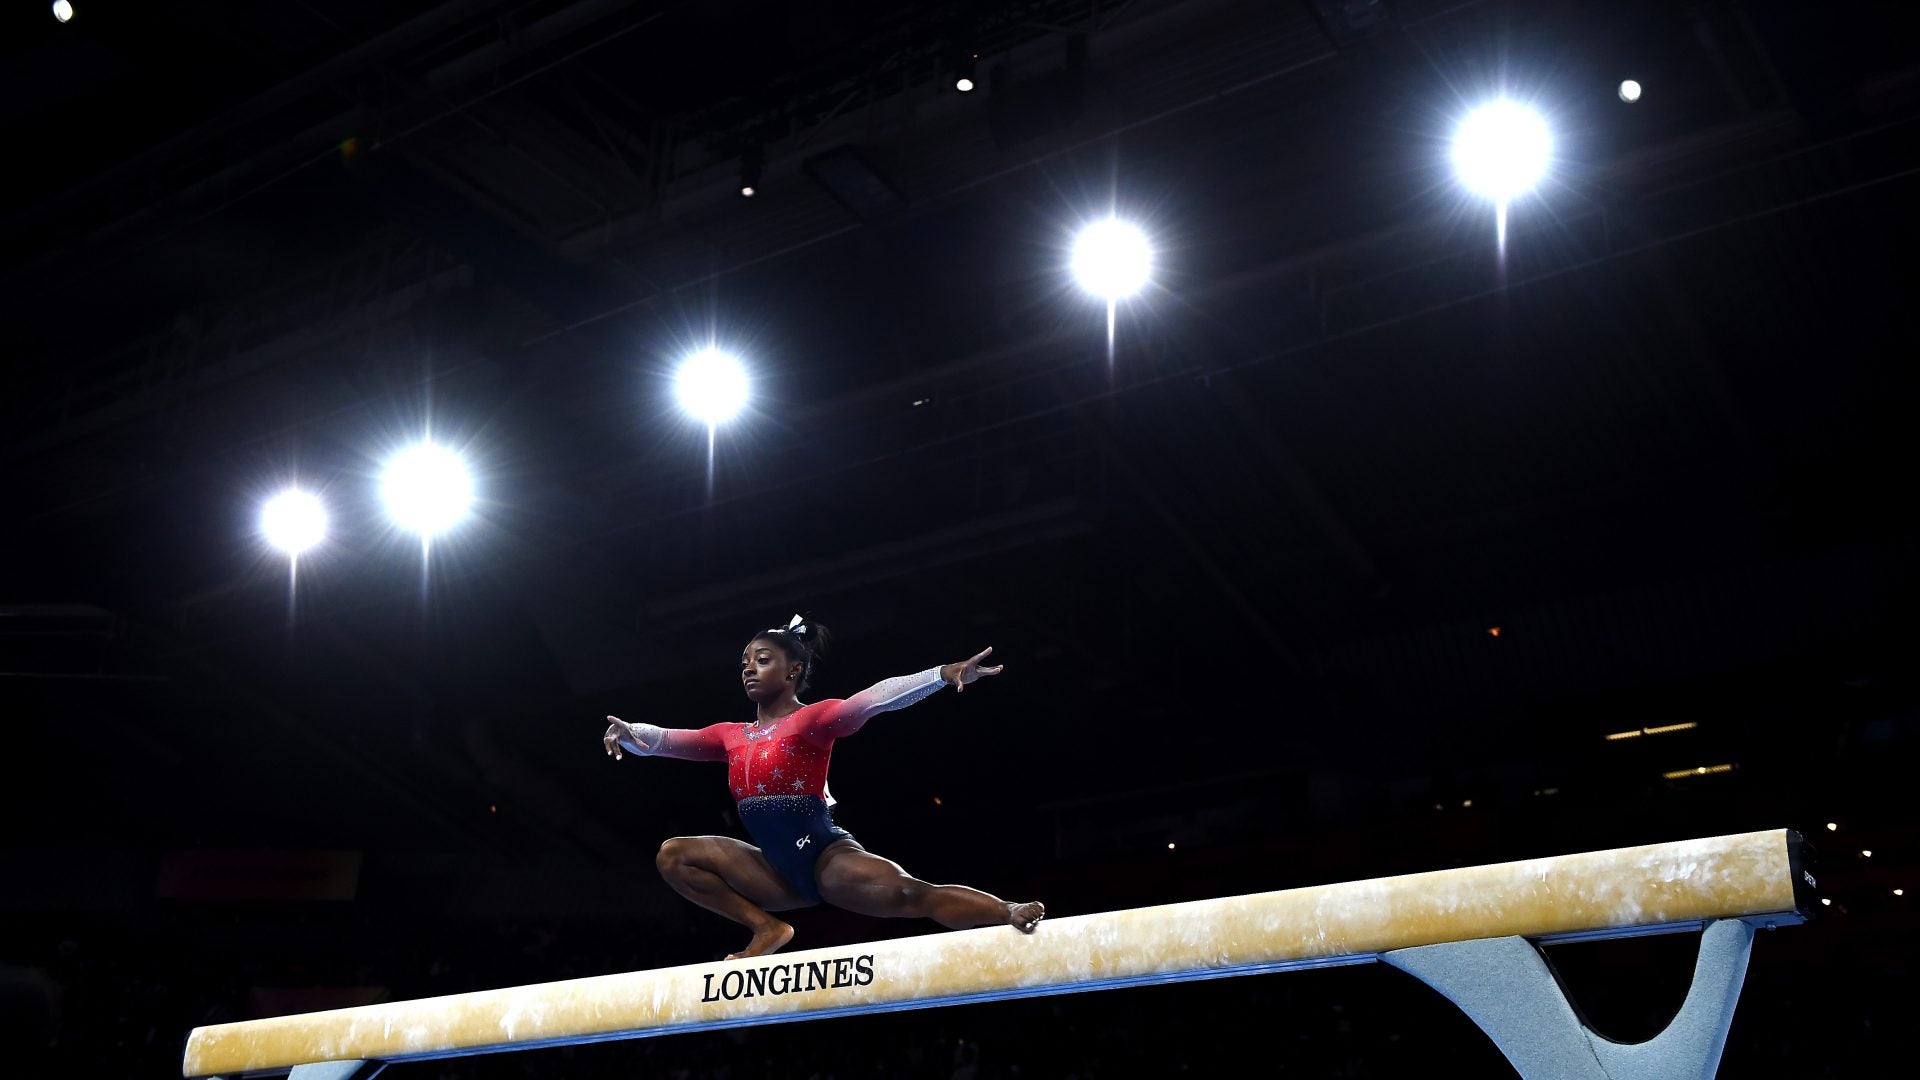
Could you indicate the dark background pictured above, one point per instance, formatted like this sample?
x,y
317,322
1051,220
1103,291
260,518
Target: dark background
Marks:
x,y
1244,573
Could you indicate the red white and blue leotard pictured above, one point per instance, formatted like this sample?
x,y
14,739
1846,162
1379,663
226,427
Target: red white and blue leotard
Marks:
x,y
778,773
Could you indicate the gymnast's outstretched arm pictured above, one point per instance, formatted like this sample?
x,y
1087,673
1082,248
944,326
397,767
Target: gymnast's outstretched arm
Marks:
x,y
897,693
646,740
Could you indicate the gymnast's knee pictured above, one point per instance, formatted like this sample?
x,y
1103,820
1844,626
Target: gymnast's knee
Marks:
x,y
674,855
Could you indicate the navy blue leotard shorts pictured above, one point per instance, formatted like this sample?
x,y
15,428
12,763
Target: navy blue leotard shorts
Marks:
x,y
792,831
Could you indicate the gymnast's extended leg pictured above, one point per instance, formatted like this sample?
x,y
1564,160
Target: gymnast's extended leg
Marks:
x,y
854,878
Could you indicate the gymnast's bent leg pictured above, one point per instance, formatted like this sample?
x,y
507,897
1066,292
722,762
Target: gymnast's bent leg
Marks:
x,y
851,877
731,878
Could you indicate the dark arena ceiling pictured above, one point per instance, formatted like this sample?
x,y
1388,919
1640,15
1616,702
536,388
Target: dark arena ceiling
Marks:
x,y
1344,560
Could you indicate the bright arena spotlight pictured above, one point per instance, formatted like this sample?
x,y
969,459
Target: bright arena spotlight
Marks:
x,y
294,521
427,489
62,10
711,386
1501,150
1112,259
1629,91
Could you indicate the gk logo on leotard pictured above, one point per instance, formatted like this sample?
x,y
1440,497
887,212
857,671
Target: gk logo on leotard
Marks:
x,y
802,842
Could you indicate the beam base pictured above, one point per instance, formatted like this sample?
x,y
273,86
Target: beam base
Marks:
x,y
1505,985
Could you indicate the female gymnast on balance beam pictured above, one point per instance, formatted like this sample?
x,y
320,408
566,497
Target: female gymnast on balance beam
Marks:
x,y
777,768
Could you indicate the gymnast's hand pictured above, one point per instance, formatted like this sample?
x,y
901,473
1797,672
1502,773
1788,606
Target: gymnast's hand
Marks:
x,y
968,671
617,727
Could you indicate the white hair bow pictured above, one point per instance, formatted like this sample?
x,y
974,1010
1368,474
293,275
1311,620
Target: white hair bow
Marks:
x,y
796,626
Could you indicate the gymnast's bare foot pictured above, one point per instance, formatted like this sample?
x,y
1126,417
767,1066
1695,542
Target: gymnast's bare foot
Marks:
x,y
1024,917
770,938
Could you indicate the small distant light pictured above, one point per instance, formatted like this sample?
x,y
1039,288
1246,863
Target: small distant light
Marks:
x,y
62,10
493,808
1619,735
1824,902
753,159
1865,854
1493,631
963,71
1629,91
1899,892
1466,804
937,802
1169,847
1437,806
1833,826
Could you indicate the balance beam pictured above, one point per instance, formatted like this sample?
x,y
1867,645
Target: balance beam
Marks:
x,y
1472,933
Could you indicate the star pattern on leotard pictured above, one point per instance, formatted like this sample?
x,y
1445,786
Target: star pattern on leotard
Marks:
x,y
780,757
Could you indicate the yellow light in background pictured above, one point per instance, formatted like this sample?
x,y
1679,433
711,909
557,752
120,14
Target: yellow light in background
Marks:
x,y
1824,902
1169,847
1866,854
1663,729
1493,631
1899,892
1702,770
1833,826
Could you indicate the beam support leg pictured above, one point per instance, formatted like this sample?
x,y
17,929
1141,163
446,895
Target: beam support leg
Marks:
x,y
1506,987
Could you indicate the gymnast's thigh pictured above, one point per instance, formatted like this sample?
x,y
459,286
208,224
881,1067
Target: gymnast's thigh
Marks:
x,y
745,870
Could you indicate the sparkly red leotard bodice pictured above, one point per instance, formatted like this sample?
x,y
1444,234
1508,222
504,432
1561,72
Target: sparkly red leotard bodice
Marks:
x,y
789,756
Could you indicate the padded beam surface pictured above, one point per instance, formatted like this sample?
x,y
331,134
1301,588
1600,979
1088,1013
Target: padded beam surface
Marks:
x,y
1605,893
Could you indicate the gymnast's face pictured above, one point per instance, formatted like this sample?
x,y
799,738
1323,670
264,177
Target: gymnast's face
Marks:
x,y
765,671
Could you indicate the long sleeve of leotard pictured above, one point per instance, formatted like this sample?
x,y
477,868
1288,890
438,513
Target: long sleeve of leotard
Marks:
x,y
688,744
884,696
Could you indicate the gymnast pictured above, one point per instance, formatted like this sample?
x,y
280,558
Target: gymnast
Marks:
x,y
777,768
